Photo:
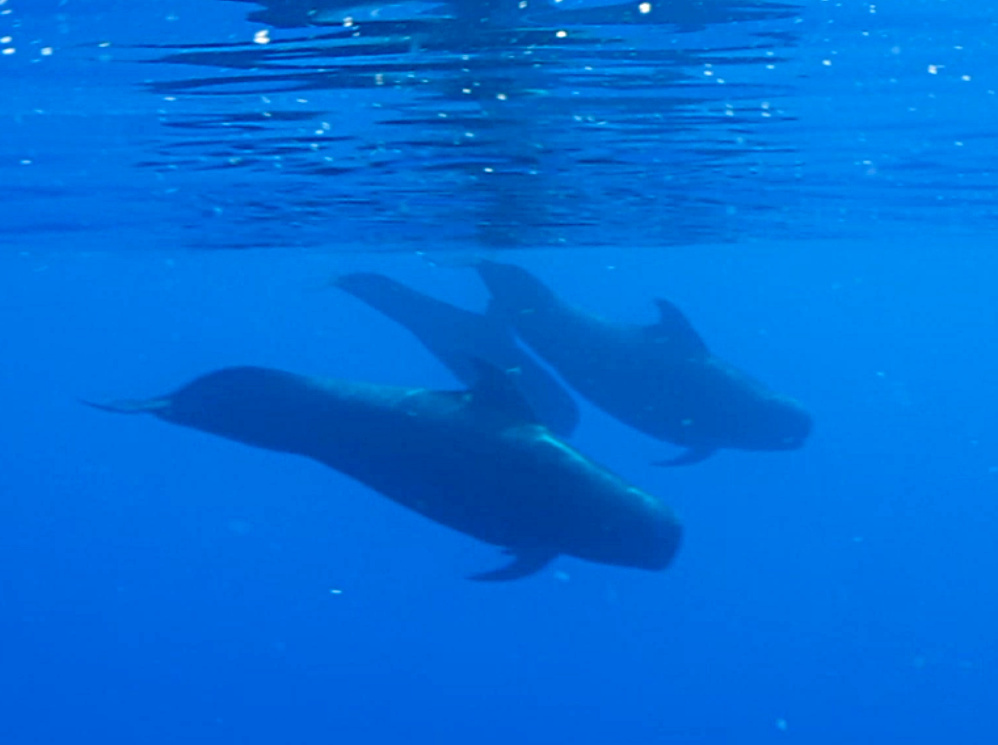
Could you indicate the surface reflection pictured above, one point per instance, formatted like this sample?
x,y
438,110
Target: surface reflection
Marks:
x,y
500,123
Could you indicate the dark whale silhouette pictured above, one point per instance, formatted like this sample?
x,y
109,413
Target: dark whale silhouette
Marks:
x,y
471,460
459,337
660,379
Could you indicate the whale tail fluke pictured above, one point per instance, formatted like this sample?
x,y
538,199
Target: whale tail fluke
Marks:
x,y
525,563
130,405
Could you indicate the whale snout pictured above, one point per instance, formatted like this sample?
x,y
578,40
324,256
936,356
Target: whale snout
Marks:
x,y
667,542
771,423
800,425
790,425
655,544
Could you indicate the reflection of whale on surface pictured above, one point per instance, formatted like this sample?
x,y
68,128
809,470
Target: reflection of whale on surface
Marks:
x,y
471,460
459,337
660,379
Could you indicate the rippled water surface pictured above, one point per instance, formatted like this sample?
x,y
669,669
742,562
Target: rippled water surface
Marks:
x,y
345,126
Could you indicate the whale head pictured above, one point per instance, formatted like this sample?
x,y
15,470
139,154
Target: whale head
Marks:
x,y
780,423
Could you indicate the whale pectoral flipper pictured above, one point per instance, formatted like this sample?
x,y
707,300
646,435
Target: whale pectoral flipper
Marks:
x,y
525,563
130,405
688,457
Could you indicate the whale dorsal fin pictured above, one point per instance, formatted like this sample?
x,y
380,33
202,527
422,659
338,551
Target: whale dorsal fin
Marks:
x,y
674,328
496,389
525,563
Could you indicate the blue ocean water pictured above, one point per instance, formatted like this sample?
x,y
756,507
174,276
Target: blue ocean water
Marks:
x,y
813,183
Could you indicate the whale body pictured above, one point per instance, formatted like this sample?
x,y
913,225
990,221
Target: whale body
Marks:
x,y
660,379
473,460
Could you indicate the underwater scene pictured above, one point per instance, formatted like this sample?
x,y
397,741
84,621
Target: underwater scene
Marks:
x,y
498,371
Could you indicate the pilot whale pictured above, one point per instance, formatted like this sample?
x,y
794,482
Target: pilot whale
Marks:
x,y
459,338
473,460
660,379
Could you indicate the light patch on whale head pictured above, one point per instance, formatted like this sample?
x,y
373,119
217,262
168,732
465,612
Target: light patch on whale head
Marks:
x,y
564,449
642,496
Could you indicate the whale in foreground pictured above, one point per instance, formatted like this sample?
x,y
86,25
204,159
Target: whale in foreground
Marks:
x,y
472,460
460,338
660,379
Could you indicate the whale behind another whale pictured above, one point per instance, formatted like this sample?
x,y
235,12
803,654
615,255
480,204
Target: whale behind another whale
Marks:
x,y
459,338
660,379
